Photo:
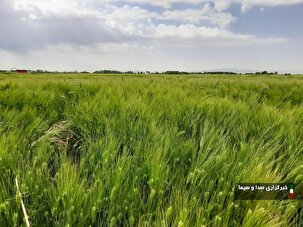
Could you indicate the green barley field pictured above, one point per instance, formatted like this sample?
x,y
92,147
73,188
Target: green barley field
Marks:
x,y
148,150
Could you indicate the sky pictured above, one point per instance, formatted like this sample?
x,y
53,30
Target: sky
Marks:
x,y
158,35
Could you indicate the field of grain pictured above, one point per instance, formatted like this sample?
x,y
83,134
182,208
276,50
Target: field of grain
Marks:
x,y
148,150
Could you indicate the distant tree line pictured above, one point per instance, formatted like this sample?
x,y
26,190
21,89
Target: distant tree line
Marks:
x,y
173,72
265,72
106,71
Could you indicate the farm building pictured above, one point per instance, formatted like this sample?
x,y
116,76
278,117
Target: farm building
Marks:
x,y
22,71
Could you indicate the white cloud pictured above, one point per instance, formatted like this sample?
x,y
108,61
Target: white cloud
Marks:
x,y
220,5
197,16
247,4
198,36
166,3
52,7
103,34
104,22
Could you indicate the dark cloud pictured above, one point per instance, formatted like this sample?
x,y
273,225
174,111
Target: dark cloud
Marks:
x,y
21,34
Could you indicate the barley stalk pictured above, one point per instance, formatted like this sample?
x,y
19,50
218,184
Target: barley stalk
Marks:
x,y
26,218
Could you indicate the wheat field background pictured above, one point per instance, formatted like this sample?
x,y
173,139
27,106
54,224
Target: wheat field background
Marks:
x,y
148,150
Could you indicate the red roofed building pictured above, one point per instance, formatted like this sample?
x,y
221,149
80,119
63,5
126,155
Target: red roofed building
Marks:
x,y
24,71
